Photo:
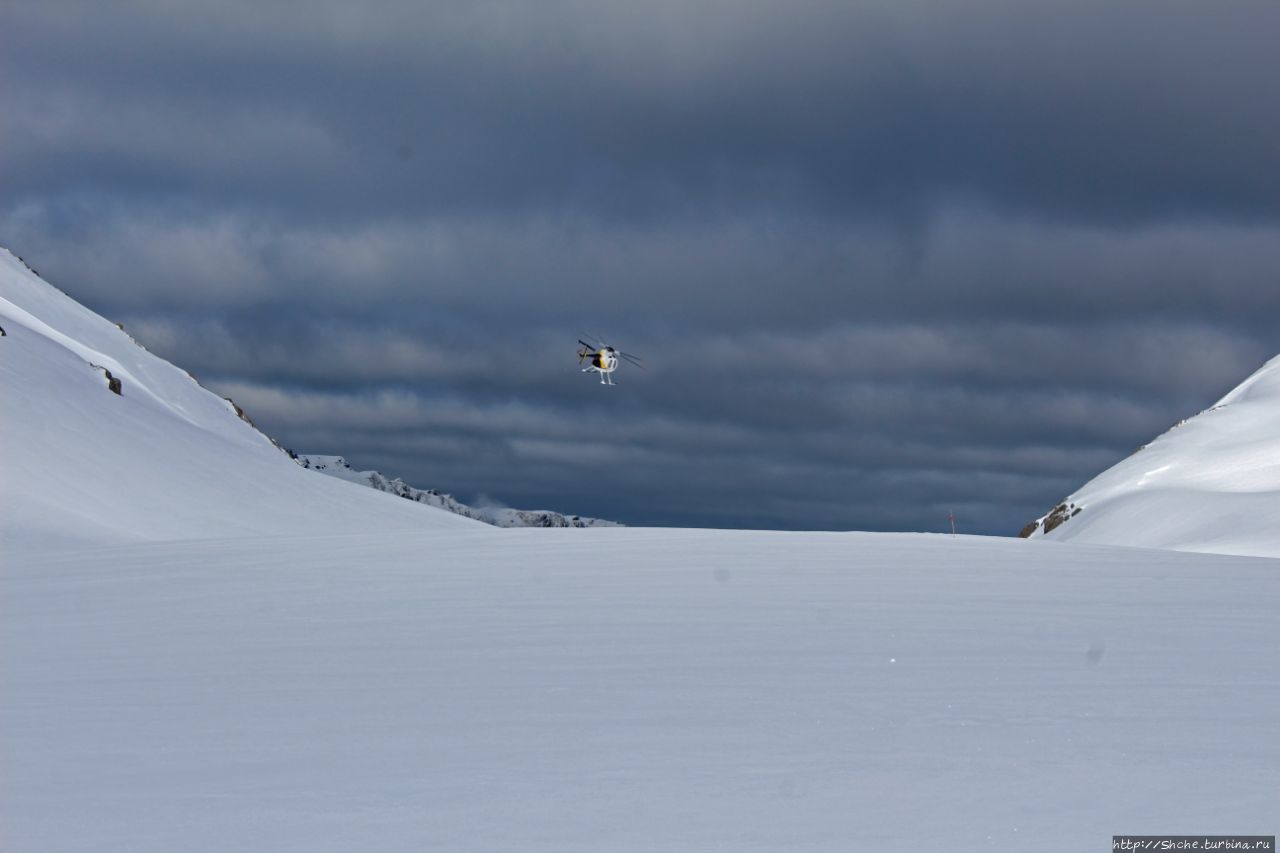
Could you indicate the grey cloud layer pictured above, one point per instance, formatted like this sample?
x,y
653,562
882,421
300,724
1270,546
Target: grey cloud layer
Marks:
x,y
713,272
1086,110
884,258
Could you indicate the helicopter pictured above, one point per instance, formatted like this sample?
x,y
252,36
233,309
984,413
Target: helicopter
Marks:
x,y
604,359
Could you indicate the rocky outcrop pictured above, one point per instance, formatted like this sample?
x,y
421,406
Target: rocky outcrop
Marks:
x,y
1057,516
114,385
242,416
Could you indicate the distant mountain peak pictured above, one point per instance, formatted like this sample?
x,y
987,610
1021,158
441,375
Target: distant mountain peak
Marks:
x,y
337,466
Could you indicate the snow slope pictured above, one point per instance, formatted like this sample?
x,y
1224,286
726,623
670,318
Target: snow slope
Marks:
x,y
337,466
1212,483
634,690
164,459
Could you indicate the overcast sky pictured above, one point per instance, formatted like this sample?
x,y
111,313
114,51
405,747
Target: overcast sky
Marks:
x,y
883,259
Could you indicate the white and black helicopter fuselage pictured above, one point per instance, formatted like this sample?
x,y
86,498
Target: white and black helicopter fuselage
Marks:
x,y
603,359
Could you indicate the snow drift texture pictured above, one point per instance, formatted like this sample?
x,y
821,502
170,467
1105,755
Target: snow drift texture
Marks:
x,y
633,690
1212,483
162,459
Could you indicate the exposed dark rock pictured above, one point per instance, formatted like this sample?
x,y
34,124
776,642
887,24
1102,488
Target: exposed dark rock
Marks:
x,y
113,383
242,416
1054,519
240,412
1057,516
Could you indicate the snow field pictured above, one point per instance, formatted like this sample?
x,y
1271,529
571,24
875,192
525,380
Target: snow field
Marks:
x,y
624,689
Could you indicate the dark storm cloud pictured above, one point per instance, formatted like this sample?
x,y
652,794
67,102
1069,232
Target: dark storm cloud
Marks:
x,y
701,471
1097,110
886,259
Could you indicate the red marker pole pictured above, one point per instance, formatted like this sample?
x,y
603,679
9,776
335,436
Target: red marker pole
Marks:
x,y
951,517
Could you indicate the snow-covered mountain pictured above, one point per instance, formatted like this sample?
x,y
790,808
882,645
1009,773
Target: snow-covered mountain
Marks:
x,y
205,647
1211,483
337,466
105,442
